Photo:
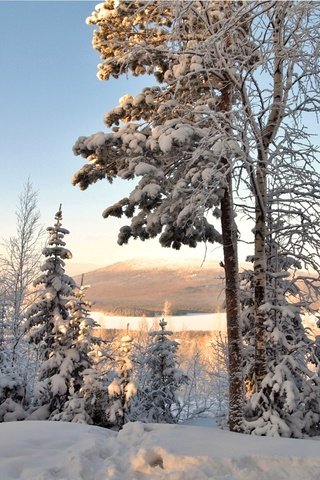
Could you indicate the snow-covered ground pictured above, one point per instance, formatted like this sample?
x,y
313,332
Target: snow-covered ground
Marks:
x,y
198,321
201,321
34,450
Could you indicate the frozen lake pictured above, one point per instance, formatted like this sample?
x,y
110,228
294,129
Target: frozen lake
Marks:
x,y
201,321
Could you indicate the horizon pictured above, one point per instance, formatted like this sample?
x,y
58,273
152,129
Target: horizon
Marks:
x,y
77,269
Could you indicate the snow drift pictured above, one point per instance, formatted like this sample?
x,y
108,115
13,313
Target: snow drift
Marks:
x,y
67,451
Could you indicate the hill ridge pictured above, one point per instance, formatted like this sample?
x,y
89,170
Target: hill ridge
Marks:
x,y
142,286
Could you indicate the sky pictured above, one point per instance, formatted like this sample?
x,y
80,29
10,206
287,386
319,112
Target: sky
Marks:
x,y
50,95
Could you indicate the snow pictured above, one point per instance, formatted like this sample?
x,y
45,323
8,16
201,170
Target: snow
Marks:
x,y
165,143
114,388
202,321
130,390
35,450
58,385
144,169
152,190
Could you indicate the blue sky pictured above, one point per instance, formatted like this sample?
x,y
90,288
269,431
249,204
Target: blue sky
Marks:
x,y
50,95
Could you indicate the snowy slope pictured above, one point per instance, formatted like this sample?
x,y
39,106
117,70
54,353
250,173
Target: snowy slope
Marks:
x,y
142,286
66,451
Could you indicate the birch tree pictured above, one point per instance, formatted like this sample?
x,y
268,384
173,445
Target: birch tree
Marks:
x,y
19,264
275,99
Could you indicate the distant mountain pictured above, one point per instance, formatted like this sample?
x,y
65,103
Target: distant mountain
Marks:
x,y
141,287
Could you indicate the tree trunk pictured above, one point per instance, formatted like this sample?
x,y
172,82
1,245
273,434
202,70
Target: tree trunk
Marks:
x,y
267,134
229,236
230,252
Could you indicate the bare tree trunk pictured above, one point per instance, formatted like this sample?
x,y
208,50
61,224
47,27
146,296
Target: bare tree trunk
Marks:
x,y
230,252
229,235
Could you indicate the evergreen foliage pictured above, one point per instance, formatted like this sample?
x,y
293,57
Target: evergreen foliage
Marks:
x,y
58,324
287,404
12,392
173,137
79,335
122,387
158,400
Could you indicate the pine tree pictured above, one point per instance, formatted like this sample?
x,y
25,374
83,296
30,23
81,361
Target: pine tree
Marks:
x,y
177,137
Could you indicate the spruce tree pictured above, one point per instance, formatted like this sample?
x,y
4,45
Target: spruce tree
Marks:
x,y
12,385
287,404
80,337
122,388
51,328
159,400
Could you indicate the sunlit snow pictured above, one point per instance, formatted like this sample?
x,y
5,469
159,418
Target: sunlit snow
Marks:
x,y
34,450
203,321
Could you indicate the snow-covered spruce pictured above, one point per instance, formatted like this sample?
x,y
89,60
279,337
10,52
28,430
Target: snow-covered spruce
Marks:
x,y
288,401
12,387
57,324
81,404
122,388
12,392
157,399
